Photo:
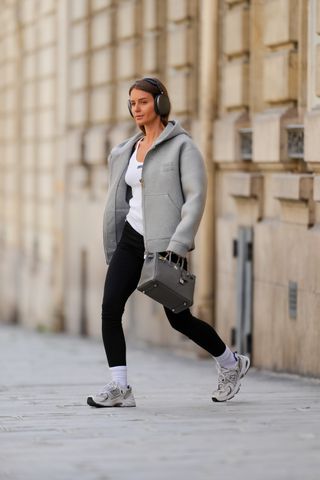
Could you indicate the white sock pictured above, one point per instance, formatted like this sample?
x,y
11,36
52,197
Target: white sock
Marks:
x,y
119,375
228,359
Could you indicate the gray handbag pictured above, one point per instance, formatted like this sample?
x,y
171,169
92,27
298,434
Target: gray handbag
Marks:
x,y
167,282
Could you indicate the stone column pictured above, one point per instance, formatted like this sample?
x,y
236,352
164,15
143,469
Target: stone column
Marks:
x,y
208,98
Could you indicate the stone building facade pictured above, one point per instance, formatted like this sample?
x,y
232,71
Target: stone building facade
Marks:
x,y
267,179
244,79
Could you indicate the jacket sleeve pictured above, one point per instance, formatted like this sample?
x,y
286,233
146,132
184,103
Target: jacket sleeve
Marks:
x,y
194,188
109,163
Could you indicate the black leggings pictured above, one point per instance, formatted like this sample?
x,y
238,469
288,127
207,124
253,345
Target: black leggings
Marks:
x,y
122,279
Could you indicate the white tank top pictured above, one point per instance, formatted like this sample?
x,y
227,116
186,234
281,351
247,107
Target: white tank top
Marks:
x,y
132,178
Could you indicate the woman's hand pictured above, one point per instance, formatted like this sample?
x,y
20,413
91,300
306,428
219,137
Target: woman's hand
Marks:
x,y
173,253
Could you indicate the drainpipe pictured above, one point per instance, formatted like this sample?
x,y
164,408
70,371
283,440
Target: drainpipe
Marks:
x,y
209,19
60,207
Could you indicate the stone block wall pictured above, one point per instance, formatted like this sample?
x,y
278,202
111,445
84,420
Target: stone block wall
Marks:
x,y
66,67
267,158
28,166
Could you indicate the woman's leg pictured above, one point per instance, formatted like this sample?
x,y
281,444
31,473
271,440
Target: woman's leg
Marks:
x,y
197,330
121,280
232,368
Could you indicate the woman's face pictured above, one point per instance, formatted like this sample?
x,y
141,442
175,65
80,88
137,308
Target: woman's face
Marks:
x,y
142,107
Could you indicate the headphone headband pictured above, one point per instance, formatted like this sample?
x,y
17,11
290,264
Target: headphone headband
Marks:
x,y
155,83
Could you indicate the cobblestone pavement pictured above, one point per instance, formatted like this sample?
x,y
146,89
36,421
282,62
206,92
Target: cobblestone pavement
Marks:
x,y
271,430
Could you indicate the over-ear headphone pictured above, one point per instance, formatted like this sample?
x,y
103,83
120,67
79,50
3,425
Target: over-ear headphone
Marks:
x,y
161,101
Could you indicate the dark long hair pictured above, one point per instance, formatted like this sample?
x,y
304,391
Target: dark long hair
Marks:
x,y
151,87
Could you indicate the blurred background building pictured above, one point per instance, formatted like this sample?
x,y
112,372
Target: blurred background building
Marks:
x,y
244,79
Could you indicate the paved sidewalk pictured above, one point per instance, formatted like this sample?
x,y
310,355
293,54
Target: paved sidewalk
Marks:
x,y
271,430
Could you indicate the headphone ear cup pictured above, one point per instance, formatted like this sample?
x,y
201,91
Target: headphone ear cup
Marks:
x,y
162,105
156,104
129,108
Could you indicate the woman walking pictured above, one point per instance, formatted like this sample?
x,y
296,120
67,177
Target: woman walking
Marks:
x,y
156,197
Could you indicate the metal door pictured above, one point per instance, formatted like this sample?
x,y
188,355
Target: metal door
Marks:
x,y
244,287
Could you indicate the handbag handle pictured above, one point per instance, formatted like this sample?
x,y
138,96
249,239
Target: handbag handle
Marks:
x,y
184,275
169,254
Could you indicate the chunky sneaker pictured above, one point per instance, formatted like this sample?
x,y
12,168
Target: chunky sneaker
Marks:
x,y
229,379
113,395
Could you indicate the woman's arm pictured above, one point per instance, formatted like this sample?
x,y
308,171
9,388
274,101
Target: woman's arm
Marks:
x,y
194,187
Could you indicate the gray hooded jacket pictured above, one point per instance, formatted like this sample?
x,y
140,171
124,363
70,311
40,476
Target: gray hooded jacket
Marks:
x,y
174,187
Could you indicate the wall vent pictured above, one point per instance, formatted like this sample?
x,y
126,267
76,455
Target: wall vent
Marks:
x,y
246,143
295,141
293,300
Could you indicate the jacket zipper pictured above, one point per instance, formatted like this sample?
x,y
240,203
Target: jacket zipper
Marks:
x,y
142,186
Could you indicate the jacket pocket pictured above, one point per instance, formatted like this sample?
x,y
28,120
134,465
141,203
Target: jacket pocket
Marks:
x,y
167,167
161,216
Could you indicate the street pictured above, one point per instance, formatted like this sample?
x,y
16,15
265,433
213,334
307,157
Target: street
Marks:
x,y
270,430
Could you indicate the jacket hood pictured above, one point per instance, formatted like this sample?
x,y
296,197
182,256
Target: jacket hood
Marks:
x,y
172,130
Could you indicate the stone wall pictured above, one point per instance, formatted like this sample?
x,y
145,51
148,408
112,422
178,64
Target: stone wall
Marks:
x,y
66,67
267,176
28,166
